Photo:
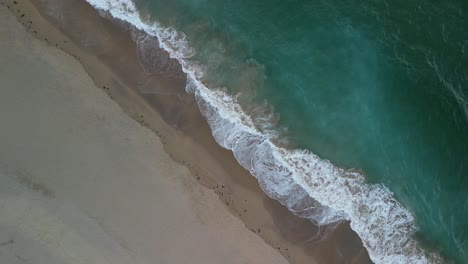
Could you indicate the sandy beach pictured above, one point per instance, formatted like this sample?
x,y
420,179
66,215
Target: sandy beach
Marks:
x,y
83,183
105,160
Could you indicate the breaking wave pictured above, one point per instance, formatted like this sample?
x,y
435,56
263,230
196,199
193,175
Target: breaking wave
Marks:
x,y
309,186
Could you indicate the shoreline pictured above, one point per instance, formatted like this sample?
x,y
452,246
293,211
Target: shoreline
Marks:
x,y
173,115
81,182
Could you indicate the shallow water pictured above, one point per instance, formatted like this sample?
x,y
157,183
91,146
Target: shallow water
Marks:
x,y
372,85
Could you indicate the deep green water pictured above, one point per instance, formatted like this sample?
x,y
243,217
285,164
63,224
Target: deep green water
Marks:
x,y
381,86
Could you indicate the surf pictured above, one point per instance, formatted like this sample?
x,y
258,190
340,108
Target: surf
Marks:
x,y
308,185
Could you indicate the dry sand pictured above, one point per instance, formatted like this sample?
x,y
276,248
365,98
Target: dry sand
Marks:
x,y
81,182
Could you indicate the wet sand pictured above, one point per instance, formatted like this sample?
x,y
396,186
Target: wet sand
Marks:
x,y
157,100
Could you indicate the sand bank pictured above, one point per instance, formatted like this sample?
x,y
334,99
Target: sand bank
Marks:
x,y
157,100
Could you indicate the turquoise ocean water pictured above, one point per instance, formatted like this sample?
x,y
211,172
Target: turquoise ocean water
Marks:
x,y
378,86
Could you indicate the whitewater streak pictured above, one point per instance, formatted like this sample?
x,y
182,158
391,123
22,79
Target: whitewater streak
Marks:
x,y
309,186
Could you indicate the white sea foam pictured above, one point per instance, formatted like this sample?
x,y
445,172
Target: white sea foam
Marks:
x,y
309,186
